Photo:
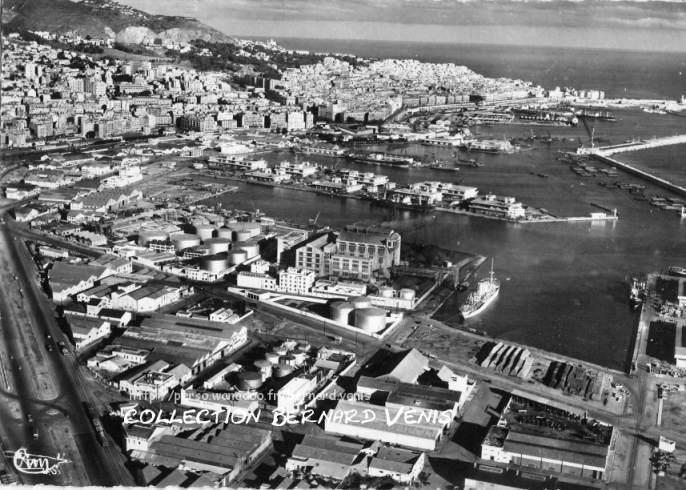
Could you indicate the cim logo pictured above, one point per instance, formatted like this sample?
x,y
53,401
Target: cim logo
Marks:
x,y
35,464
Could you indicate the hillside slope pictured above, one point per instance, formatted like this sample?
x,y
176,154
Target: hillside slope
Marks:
x,y
104,18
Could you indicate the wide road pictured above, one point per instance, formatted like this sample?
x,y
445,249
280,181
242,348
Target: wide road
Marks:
x,y
46,389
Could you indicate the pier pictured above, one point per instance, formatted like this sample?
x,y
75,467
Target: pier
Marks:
x,y
634,146
630,169
604,154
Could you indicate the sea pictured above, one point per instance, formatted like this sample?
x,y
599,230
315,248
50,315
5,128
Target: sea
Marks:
x,y
564,286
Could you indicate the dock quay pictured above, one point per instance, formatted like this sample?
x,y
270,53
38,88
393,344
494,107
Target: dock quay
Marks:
x,y
634,146
630,169
546,219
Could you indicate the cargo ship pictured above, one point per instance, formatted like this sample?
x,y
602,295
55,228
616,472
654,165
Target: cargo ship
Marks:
x,y
444,166
486,291
386,159
420,208
600,116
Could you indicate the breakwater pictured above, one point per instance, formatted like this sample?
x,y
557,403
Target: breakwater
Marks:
x,y
630,169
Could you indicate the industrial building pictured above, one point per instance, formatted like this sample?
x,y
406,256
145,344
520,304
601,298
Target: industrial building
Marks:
x,y
69,279
87,330
316,253
423,435
153,382
199,343
362,255
220,453
325,456
532,435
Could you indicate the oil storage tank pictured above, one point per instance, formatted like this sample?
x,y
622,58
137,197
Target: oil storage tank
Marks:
x,y
361,302
340,312
224,233
282,370
218,245
243,231
371,320
264,367
214,263
237,257
205,232
182,241
249,381
144,237
272,357
251,248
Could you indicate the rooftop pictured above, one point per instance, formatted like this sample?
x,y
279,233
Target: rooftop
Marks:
x,y
63,274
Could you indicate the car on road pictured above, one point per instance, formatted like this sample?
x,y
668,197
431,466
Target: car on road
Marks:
x,y
49,347
48,336
34,431
29,418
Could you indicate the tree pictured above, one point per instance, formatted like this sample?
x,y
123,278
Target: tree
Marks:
x,y
661,460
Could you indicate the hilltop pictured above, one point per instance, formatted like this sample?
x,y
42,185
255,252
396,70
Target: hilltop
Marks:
x,y
104,18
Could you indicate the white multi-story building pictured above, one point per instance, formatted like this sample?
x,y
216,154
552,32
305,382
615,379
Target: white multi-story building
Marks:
x,y
360,255
255,280
296,281
126,176
315,255
292,397
500,207
238,163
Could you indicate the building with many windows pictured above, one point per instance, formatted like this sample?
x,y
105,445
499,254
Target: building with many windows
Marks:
x,y
296,281
362,255
316,253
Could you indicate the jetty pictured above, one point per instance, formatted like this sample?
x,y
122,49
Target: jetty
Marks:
x,y
634,146
604,154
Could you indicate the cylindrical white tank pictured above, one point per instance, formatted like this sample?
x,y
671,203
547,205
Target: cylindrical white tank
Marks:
x,y
407,293
361,302
290,344
282,370
386,292
370,319
218,245
151,235
263,365
242,236
288,359
224,233
272,357
237,257
205,232
281,350
304,347
252,249
340,312
214,263
244,230
299,357
249,380
183,241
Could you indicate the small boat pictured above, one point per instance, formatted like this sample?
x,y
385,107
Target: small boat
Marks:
x,y
676,271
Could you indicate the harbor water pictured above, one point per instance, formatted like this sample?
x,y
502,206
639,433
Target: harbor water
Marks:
x,y
564,285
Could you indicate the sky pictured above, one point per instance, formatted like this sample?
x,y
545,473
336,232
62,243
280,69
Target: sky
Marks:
x,y
611,24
